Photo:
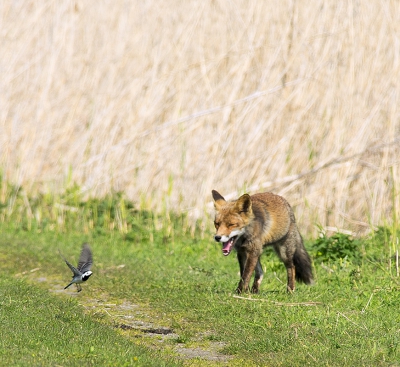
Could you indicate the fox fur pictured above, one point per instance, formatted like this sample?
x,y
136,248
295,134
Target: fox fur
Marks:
x,y
251,223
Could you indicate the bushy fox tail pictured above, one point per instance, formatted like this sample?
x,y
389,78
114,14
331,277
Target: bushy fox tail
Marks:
x,y
302,263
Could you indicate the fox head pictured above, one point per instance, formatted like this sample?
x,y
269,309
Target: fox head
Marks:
x,y
231,219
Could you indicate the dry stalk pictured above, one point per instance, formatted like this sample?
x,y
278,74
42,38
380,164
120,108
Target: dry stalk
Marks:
x,y
288,304
295,97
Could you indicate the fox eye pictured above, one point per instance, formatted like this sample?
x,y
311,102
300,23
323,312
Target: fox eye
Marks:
x,y
231,224
216,225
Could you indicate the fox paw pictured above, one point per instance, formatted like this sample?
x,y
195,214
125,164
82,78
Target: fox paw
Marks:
x,y
255,290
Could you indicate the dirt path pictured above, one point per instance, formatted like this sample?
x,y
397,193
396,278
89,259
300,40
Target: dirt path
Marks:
x,y
141,324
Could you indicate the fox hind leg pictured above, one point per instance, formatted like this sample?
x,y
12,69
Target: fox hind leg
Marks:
x,y
285,251
242,257
259,274
291,276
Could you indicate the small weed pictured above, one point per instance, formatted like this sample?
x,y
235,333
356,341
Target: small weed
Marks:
x,y
339,246
182,339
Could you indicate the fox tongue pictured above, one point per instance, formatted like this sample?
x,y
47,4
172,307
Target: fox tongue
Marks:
x,y
226,250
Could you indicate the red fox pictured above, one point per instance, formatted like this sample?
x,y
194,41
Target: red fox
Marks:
x,y
251,223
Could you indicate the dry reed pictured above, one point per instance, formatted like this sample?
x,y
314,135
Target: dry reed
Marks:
x,y
167,100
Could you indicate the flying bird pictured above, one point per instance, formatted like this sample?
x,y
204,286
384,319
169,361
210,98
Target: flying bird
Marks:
x,y
82,272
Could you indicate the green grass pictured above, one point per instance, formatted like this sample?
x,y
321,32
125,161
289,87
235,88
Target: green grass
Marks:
x,y
168,279
187,285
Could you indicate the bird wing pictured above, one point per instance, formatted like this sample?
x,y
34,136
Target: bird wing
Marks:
x,y
86,259
73,269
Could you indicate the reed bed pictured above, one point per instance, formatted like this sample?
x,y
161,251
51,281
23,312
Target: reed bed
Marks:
x,y
166,100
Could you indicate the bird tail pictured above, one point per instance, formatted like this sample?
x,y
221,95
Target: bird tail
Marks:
x,y
68,285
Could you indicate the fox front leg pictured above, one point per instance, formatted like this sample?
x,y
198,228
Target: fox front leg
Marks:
x,y
248,269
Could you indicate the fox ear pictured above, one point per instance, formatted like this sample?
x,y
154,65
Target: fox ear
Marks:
x,y
243,204
218,199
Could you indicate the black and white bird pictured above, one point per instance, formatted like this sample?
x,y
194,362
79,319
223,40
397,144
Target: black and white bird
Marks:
x,y
82,272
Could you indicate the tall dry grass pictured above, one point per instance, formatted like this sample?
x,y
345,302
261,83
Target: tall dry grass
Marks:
x,y
167,100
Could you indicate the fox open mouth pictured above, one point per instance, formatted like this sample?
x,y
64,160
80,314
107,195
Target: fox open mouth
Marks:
x,y
228,245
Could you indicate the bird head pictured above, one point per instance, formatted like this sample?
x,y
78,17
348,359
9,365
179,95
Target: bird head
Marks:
x,y
86,275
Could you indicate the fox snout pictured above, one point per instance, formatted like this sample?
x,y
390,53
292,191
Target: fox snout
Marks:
x,y
227,243
223,238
